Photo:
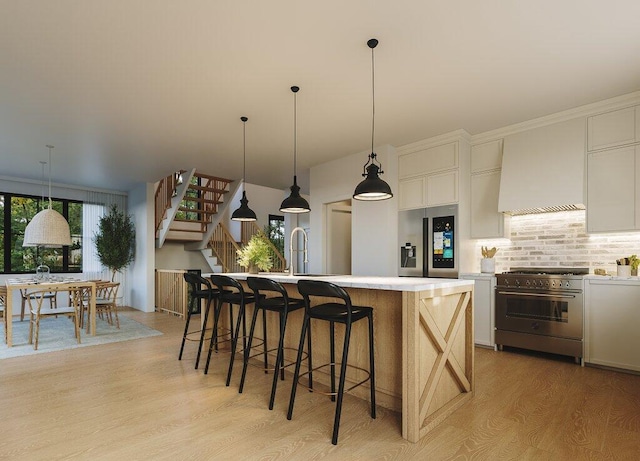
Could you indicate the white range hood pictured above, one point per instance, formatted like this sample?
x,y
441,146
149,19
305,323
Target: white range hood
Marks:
x,y
543,169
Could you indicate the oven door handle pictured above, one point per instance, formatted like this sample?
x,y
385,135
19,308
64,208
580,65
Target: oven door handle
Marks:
x,y
535,295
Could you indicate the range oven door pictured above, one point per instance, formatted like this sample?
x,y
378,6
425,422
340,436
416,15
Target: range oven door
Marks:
x,y
542,313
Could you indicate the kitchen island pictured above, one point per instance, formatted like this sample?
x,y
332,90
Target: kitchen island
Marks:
x,y
423,343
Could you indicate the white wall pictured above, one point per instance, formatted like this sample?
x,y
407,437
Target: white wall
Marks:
x,y
172,256
374,224
141,272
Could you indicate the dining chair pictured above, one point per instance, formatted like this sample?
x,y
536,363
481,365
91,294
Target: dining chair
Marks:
x,y
50,295
37,312
106,305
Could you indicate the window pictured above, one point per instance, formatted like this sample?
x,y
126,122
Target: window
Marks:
x,y
275,231
17,211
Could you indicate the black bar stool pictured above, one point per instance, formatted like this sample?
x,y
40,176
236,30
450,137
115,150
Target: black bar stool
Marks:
x,y
271,296
334,312
231,293
198,294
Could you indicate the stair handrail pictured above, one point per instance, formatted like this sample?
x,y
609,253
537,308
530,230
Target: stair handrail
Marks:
x,y
225,248
164,193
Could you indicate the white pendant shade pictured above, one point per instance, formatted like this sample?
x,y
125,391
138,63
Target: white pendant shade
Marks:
x,y
48,229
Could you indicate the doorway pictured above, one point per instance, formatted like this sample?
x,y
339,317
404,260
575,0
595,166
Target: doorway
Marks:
x,y
338,250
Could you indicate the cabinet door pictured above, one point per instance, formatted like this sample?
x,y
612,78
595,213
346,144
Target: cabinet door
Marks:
x,y
486,221
486,156
612,129
613,319
442,189
611,192
430,160
411,193
483,309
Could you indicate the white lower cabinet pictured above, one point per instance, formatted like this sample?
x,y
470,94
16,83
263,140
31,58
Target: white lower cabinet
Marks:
x,y
483,307
612,335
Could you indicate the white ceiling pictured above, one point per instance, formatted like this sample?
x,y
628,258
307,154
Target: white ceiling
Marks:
x,y
131,90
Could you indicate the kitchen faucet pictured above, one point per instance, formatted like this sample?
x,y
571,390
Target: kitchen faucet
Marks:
x,y
291,248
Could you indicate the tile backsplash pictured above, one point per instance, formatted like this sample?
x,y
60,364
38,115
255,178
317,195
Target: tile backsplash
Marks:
x,y
559,239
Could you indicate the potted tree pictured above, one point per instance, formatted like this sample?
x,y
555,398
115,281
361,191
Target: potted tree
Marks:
x,y
115,240
256,254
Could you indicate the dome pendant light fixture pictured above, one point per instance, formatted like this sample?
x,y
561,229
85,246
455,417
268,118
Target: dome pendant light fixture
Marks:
x,y
372,187
295,203
47,228
244,213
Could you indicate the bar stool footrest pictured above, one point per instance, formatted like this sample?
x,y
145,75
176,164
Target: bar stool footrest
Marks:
x,y
337,365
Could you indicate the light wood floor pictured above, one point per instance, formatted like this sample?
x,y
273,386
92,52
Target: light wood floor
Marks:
x,y
135,401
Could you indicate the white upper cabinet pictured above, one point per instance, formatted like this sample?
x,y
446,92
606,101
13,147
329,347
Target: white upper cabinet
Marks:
x,y
429,172
427,161
615,128
486,220
486,156
612,200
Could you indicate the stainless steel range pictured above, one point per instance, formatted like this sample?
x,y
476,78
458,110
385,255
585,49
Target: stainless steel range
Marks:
x,y
541,309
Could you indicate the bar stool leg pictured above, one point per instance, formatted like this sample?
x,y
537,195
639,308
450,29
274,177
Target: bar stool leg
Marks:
x,y
279,370
234,340
333,361
343,372
204,329
372,374
296,373
214,335
247,350
186,329
264,342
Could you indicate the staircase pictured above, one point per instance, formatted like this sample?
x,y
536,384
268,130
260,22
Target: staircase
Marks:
x,y
188,208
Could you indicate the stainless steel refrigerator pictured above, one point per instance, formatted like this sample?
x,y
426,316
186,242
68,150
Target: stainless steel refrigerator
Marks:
x,y
428,242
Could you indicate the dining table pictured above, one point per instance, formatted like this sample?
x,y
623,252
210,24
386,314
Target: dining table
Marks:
x,y
14,284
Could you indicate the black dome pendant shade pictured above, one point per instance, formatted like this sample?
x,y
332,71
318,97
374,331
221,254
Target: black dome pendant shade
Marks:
x,y
244,213
372,187
295,203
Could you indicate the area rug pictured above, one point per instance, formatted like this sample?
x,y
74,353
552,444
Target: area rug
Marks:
x,y
56,334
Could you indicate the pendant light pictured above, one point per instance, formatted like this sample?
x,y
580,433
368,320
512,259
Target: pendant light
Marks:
x,y
244,213
48,228
295,203
372,187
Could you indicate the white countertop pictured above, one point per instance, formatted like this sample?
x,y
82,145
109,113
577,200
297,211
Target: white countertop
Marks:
x,y
370,282
612,278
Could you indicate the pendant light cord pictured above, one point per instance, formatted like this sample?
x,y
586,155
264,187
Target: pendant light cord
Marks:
x,y
295,132
373,99
50,147
244,148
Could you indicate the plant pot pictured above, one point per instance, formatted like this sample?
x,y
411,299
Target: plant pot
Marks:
x,y
488,266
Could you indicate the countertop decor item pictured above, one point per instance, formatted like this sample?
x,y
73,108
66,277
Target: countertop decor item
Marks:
x,y
256,254
244,213
372,187
487,263
295,203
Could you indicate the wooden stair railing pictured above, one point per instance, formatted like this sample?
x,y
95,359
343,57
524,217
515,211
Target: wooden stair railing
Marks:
x,y
200,202
164,193
225,248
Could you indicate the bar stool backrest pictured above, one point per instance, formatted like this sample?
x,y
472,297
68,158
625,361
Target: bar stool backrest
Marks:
x,y
195,282
262,286
223,282
308,288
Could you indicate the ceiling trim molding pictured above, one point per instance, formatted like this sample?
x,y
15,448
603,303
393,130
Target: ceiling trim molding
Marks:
x,y
619,102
